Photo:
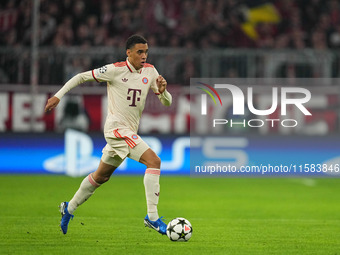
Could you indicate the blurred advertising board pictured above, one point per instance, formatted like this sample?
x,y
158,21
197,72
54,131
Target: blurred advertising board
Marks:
x,y
86,108
76,153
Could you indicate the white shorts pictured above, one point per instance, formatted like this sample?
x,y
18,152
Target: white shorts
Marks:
x,y
122,143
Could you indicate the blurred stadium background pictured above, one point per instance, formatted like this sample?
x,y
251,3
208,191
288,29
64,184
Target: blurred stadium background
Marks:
x,y
192,38
44,43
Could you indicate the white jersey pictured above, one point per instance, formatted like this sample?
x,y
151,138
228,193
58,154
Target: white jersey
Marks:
x,y
127,90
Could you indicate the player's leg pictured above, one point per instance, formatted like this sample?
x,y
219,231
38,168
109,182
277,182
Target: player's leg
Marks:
x,y
152,187
90,183
142,153
151,181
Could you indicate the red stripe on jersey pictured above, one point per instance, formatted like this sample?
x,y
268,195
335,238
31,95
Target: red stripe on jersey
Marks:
x,y
157,94
148,65
119,64
94,76
128,67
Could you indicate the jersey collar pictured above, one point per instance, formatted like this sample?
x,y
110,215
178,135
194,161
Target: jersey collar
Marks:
x,y
131,68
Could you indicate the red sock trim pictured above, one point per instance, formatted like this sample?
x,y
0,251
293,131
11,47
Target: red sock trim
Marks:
x,y
153,171
92,181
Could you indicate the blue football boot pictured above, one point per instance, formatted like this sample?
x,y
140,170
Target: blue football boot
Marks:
x,y
65,217
157,225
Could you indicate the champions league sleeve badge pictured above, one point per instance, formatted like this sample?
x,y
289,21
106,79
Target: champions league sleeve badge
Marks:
x,y
102,69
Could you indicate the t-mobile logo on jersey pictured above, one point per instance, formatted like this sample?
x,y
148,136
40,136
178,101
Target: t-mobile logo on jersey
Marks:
x,y
134,97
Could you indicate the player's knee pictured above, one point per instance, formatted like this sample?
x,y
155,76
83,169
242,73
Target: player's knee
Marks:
x,y
157,161
150,159
105,179
154,162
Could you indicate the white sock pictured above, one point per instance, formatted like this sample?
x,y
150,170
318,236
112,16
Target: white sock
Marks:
x,y
86,189
151,184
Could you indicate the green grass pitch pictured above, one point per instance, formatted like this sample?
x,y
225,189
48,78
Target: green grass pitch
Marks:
x,y
229,216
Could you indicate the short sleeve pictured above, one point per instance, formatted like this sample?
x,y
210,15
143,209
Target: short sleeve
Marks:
x,y
104,73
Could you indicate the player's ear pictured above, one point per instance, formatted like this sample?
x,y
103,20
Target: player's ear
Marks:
x,y
128,51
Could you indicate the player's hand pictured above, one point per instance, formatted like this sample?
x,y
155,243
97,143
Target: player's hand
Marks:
x,y
51,103
161,83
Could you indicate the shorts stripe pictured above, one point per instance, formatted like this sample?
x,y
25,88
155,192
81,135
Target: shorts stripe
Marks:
x,y
129,143
126,139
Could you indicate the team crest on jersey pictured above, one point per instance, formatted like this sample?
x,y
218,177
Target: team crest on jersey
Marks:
x,y
145,80
103,69
134,137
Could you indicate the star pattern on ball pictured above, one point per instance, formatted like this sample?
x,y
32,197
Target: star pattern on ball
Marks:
x,y
171,228
179,229
182,222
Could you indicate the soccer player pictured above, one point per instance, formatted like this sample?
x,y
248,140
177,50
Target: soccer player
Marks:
x,y
128,84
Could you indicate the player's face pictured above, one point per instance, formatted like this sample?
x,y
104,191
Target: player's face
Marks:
x,y
137,55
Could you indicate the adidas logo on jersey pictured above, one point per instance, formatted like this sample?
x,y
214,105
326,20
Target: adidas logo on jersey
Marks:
x,y
124,80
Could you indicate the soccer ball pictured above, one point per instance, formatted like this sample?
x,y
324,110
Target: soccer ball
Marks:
x,y
179,229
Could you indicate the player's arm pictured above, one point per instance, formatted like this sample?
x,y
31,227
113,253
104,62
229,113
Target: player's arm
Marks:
x,y
72,83
99,75
163,95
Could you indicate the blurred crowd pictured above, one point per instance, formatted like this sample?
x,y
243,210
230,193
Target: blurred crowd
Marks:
x,y
176,23
192,25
